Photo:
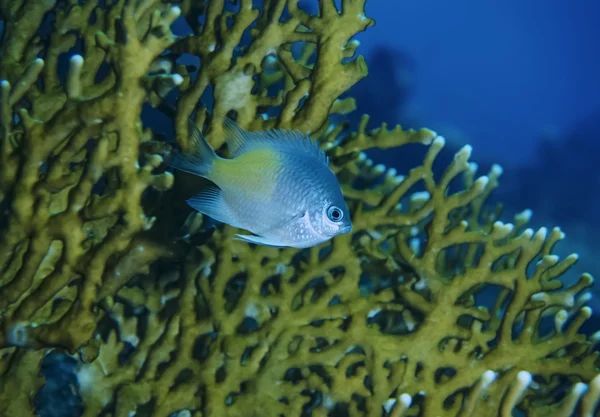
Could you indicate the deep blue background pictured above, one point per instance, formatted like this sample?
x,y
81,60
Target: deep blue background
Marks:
x,y
500,72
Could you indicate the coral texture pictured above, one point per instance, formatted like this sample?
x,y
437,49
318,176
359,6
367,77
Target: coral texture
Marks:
x,y
432,306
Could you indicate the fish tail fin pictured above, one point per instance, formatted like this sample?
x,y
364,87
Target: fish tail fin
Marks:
x,y
201,157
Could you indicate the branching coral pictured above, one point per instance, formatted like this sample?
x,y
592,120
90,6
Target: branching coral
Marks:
x,y
241,76
71,182
431,307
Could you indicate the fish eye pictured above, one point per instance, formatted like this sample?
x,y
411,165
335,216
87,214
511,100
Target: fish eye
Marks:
x,y
335,214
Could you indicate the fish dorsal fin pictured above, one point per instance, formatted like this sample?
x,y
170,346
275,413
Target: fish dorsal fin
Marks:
x,y
283,140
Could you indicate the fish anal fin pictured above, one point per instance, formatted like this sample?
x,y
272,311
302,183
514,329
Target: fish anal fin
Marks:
x,y
259,240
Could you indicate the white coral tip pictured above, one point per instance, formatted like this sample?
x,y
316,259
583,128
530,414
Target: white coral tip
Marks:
x,y
526,214
540,296
488,377
509,227
524,378
389,404
482,182
177,79
176,10
77,60
439,142
405,400
541,233
497,170
579,389
465,152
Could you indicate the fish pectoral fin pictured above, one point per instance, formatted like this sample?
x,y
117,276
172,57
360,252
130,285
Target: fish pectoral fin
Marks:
x,y
210,202
283,223
259,240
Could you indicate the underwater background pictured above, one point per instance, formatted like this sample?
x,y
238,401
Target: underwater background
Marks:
x,y
516,80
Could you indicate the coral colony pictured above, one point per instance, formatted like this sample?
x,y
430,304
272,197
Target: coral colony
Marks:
x,y
432,306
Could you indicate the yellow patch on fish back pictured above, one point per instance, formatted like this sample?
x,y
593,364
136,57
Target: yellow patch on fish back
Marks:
x,y
254,172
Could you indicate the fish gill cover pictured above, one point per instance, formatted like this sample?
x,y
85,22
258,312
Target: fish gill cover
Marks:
x,y
432,306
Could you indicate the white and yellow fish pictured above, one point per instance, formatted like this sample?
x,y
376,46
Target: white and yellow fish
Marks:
x,y
277,185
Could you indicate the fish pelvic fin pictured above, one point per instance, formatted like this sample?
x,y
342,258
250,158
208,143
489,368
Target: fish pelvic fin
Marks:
x,y
201,157
281,140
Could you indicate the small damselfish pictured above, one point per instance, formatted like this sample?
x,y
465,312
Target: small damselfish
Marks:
x,y
277,185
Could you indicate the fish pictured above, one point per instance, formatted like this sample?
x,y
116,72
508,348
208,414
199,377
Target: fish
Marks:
x,y
277,184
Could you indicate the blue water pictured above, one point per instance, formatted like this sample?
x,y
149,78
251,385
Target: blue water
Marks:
x,y
501,73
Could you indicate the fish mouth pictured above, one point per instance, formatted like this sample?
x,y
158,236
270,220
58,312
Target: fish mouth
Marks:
x,y
346,229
